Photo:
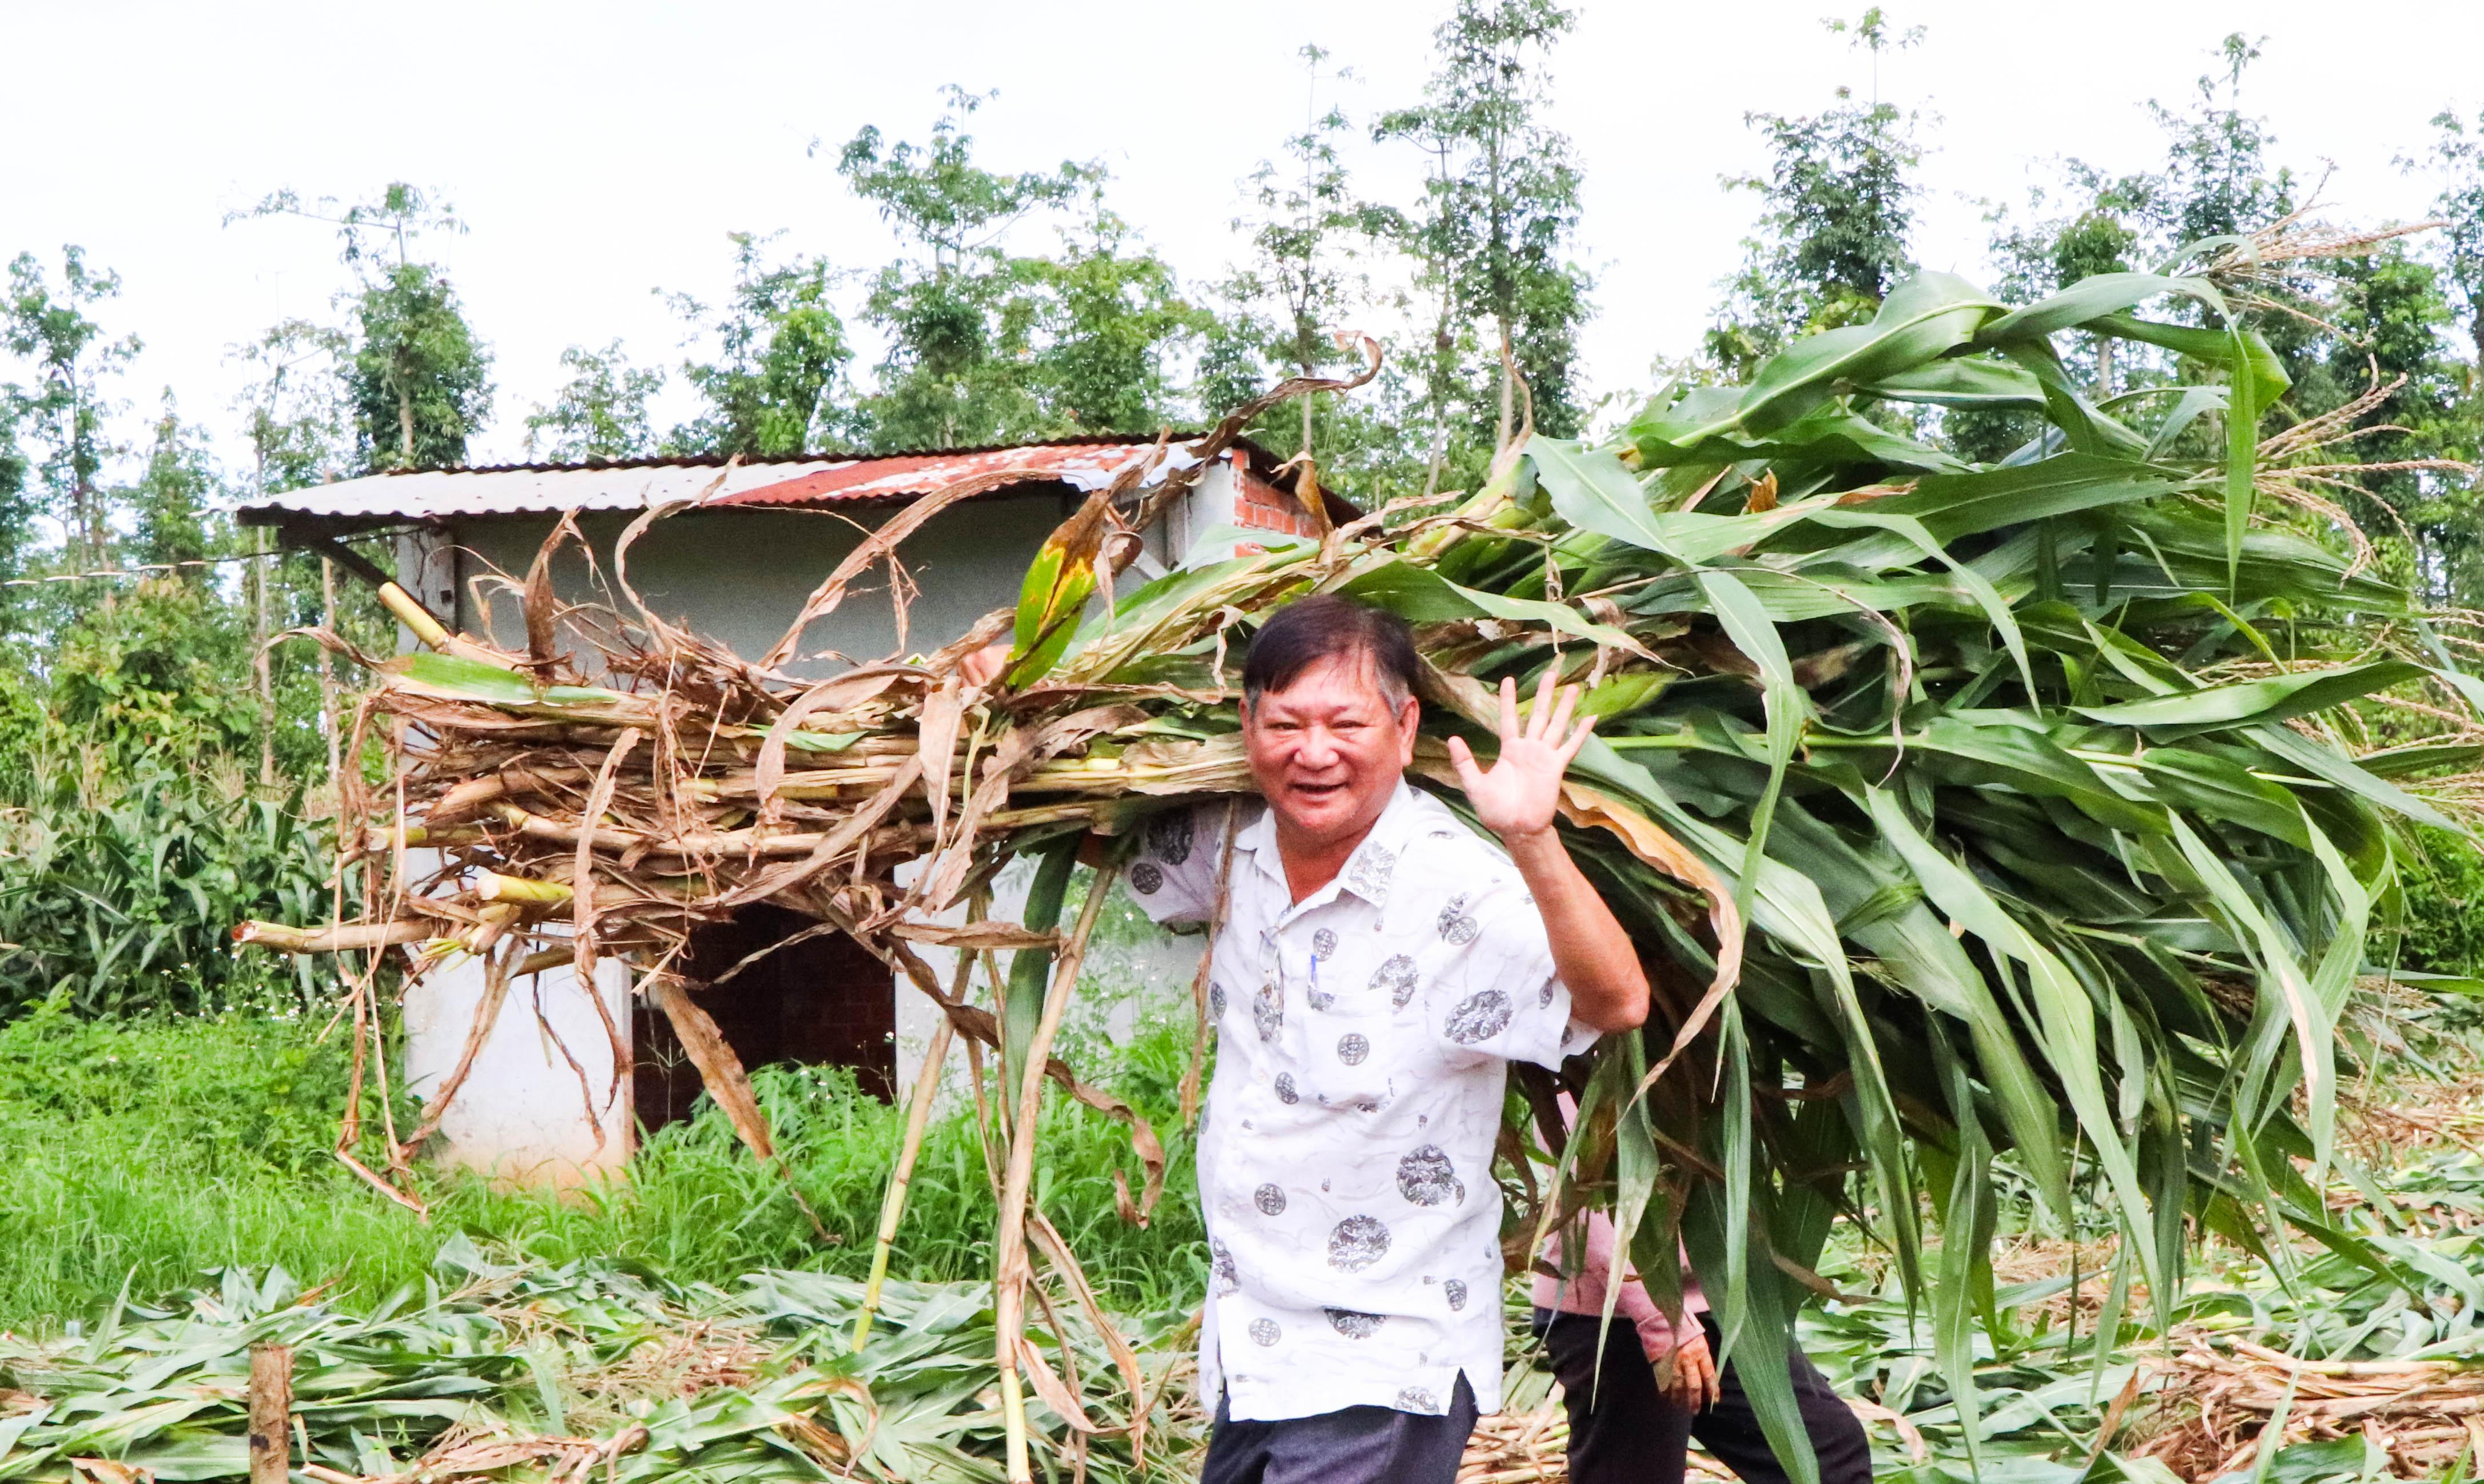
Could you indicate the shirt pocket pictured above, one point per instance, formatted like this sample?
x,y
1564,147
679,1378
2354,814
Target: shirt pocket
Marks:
x,y
1355,1035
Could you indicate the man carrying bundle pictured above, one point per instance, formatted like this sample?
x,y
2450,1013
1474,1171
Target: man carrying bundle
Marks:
x,y
1379,965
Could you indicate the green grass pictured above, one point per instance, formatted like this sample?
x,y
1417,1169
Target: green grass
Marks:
x,y
147,1152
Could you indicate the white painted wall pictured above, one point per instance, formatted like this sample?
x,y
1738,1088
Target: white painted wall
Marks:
x,y
522,1112
740,575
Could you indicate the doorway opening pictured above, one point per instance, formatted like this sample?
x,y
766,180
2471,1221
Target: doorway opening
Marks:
x,y
824,1001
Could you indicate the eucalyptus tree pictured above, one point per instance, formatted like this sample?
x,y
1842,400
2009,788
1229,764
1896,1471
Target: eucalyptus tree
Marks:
x,y
17,513
1110,319
2217,179
780,354
65,410
2459,155
173,503
1837,209
418,379
2386,341
600,413
989,344
955,305
1500,220
295,413
1298,284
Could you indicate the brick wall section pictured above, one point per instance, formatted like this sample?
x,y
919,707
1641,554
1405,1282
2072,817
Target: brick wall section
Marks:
x,y
1259,505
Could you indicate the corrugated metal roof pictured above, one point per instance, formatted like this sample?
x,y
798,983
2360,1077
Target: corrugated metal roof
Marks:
x,y
1082,464
436,494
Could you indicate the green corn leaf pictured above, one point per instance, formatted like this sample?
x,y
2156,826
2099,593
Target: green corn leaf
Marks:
x,y
2064,1020
1789,708
1922,319
1960,383
456,678
2092,298
1963,1213
1420,595
2254,702
1755,1317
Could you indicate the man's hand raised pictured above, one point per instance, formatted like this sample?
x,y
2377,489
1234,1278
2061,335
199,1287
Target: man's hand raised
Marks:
x,y
1522,792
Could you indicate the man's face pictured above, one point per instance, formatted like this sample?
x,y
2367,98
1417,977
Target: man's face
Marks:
x,y
1327,751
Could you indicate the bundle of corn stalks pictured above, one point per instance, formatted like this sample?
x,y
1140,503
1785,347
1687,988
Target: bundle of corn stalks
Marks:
x,y
1957,808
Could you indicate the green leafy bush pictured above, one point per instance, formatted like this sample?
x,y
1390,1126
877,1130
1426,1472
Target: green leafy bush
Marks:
x,y
2442,926
131,840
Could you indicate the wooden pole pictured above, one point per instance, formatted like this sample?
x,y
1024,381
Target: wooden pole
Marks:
x,y
328,670
271,1413
262,676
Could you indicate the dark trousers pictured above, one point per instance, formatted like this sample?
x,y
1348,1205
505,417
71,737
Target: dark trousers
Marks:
x,y
1354,1445
1623,1431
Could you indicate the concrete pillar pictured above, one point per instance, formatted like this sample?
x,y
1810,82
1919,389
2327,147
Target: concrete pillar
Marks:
x,y
525,1114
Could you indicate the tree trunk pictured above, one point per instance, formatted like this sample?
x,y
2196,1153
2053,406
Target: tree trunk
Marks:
x,y
263,680
2104,367
1502,290
90,530
404,422
1508,389
1440,399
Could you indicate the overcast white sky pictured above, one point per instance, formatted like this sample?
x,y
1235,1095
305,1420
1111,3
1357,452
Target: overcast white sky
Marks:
x,y
602,150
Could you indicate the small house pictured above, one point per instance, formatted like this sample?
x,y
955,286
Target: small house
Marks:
x,y
735,566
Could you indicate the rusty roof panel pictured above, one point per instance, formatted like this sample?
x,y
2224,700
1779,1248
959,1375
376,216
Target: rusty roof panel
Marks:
x,y
1080,466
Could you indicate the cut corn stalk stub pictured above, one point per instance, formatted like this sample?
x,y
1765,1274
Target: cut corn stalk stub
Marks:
x,y
1896,750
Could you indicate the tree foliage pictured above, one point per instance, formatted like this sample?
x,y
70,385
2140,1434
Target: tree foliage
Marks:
x,y
1299,281
419,379
66,410
1833,239
1504,209
780,350
416,379
600,413
986,343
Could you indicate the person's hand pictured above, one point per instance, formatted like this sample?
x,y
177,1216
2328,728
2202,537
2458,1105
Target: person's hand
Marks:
x,y
985,666
1693,1386
1519,796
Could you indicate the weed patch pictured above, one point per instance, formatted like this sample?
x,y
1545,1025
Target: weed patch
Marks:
x,y
141,1154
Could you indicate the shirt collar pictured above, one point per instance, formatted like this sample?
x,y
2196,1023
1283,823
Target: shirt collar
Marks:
x,y
1367,872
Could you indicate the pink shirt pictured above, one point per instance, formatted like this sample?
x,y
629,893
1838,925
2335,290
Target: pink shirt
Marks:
x,y
1585,1294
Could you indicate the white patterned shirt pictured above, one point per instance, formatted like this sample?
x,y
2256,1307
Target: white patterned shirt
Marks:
x,y
1345,1154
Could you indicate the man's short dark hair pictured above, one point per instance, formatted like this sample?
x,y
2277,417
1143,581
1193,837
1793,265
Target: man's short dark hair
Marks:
x,y
1326,627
